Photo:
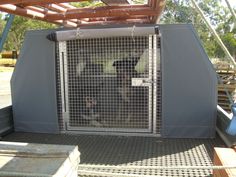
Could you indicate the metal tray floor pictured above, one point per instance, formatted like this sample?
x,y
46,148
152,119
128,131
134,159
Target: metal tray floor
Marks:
x,y
138,151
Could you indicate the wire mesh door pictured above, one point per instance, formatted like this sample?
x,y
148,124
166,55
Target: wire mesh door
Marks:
x,y
108,84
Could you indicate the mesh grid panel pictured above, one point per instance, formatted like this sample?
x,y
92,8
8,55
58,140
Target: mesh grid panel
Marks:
x,y
138,151
101,94
158,86
99,81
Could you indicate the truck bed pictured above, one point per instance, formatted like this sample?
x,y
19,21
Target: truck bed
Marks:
x,y
138,151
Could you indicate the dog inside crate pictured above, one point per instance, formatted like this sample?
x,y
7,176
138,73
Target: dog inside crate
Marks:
x,y
102,94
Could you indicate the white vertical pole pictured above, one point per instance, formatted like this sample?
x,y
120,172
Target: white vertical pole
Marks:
x,y
64,82
150,77
214,33
231,9
155,58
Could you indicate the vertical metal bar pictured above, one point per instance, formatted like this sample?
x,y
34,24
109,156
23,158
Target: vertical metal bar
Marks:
x,y
154,84
64,82
214,32
6,30
150,77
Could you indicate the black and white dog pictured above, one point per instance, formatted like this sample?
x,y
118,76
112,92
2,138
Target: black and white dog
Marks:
x,y
125,70
89,92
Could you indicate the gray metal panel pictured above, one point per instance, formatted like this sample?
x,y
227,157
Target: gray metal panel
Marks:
x,y
6,121
33,85
189,96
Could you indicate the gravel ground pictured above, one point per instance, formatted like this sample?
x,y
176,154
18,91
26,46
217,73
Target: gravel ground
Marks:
x,y
5,90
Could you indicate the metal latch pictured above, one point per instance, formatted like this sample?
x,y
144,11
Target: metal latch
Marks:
x,y
142,82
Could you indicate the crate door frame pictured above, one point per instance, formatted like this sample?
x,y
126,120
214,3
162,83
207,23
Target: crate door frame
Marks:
x,y
150,82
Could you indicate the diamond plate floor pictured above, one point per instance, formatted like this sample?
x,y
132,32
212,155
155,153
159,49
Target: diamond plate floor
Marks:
x,y
114,150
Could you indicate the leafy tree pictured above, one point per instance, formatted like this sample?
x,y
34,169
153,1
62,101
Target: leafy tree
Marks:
x,y
21,25
177,11
87,4
181,11
2,24
230,42
17,31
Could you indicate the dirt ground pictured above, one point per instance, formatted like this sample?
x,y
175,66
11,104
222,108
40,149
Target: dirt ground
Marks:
x,y
5,91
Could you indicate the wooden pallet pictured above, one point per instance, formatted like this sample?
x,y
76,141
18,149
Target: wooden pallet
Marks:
x,y
223,157
227,84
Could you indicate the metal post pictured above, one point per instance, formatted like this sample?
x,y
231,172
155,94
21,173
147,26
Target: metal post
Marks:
x,y
6,30
231,9
155,58
150,77
64,83
214,33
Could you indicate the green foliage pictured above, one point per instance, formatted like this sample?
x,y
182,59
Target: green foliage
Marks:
x,y
230,42
181,11
177,12
19,27
87,4
139,1
2,23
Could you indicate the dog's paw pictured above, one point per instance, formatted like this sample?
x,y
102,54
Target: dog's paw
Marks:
x,y
95,123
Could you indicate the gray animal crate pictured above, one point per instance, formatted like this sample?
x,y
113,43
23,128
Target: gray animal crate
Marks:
x,y
148,80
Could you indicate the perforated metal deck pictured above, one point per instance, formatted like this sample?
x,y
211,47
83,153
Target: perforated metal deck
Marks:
x,y
139,151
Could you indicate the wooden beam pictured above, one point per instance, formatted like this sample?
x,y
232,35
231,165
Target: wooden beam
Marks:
x,y
158,6
116,2
114,18
35,2
127,21
60,12
66,5
58,8
78,10
41,10
55,7
150,3
224,156
93,13
48,10
67,23
154,3
12,9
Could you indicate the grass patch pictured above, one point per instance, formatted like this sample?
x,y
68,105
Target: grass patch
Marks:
x,y
7,62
